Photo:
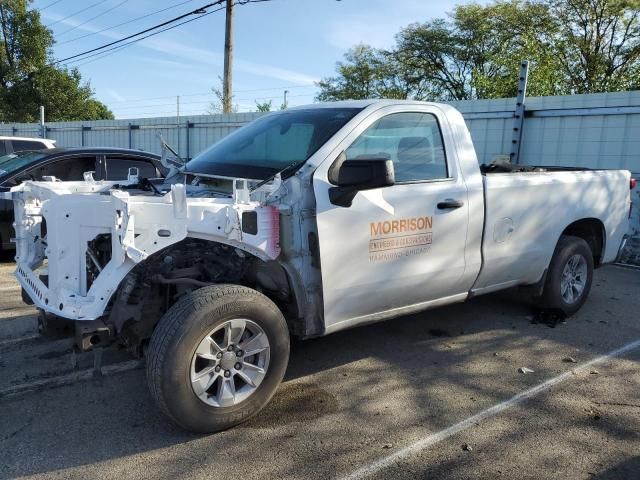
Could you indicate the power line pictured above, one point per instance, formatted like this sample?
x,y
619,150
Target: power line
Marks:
x,y
92,18
50,5
199,102
189,113
119,47
101,55
281,87
155,27
124,23
197,11
78,12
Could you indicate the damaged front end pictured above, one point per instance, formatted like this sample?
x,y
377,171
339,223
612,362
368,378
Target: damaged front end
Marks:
x,y
114,259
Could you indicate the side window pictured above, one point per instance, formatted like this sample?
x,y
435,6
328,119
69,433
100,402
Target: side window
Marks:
x,y
118,168
21,145
68,169
413,142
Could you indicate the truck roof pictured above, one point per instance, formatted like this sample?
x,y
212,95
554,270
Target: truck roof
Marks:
x,y
362,103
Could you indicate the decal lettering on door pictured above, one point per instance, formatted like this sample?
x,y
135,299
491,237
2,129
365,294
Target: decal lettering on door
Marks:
x,y
393,239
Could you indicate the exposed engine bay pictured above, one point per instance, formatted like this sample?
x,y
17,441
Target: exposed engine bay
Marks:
x,y
154,240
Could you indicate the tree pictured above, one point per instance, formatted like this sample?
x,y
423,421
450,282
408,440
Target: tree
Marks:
x,y
476,52
264,106
365,73
28,77
217,106
573,46
599,44
60,91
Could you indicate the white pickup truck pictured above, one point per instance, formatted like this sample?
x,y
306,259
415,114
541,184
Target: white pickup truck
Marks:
x,y
304,222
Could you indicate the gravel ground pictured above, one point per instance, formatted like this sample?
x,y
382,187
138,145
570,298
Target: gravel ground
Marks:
x,y
369,398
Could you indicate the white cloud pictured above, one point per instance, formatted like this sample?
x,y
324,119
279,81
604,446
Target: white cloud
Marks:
x,y
197,55
115,95
378,25
202,56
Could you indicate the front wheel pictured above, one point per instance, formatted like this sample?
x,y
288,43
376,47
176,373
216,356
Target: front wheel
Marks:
x,y
569,276
217,357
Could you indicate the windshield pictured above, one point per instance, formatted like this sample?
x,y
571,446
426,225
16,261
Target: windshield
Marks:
x,y
272,143
12,162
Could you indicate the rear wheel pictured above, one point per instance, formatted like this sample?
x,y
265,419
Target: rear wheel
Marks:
x,y
569,276
217,357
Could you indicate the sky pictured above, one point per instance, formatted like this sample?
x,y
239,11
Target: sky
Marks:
x,y
278,45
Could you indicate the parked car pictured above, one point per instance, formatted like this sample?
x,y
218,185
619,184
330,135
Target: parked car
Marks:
x,y
68,164
19,144
306,222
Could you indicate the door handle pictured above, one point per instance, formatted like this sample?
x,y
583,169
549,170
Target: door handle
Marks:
x,y
449,204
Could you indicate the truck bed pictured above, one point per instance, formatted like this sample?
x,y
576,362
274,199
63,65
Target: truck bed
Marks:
x,y
527,208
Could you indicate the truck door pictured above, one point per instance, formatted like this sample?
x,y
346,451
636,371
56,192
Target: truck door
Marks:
x,y
402,245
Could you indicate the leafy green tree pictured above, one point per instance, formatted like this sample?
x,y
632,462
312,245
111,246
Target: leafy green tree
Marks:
x,y
476,52
599,44
28,78
366,72
573,46
264,106
492,40
217,106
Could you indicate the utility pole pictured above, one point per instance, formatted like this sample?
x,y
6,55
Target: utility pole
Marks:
x,y
228,60
284,105
178,106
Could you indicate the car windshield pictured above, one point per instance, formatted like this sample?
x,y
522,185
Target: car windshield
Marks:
x,y
13,161
272,143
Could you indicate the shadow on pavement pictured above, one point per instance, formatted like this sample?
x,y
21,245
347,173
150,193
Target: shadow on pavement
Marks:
x,y
342,394
629,469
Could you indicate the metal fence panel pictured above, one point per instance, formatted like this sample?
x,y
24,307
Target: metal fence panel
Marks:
x,y
565,130
599,130
189,135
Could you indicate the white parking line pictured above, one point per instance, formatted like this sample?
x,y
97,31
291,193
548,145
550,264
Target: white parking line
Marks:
x,y
434,438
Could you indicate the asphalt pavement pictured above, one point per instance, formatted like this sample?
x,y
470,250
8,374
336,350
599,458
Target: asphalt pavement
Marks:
x,y
435,395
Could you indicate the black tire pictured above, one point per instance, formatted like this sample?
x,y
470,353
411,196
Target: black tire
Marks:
x,y
568,246
178,334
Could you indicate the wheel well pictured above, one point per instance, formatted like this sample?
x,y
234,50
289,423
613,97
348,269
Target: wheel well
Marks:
x,y
592,231
154,285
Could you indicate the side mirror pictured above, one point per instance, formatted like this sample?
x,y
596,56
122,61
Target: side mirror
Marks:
x,y
352,176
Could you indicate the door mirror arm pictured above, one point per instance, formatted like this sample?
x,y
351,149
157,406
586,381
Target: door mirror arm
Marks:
x,y
352,176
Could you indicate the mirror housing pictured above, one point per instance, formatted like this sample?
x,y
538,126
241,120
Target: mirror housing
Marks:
x,y
352,176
